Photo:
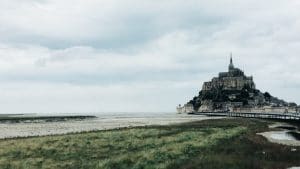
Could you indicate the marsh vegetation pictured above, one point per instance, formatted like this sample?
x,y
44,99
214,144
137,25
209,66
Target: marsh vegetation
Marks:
x,y
222,143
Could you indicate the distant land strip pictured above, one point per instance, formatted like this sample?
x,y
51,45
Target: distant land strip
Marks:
x,y
16,119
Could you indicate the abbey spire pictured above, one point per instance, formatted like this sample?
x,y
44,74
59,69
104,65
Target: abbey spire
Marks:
x,y
231,67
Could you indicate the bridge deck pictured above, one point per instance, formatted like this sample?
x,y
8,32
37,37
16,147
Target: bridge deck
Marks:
x,y
289,116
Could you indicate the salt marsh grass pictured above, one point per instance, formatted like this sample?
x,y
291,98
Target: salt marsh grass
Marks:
x,y
157,147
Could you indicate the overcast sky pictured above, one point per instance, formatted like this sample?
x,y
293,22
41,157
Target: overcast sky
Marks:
x,y
133,55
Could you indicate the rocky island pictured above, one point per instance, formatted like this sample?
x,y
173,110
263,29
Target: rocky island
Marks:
x,y
233,91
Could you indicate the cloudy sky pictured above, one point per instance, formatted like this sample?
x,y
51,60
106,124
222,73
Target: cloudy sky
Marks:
x,y
133,55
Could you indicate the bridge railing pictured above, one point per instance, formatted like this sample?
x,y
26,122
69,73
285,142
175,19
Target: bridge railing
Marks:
x,y
291,116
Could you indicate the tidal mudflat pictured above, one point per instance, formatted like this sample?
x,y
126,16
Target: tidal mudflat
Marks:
x,y
51,126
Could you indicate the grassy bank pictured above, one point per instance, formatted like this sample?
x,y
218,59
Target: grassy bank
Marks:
x,y
226,143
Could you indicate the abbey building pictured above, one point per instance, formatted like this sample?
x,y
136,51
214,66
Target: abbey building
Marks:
x,y
233,91
234,79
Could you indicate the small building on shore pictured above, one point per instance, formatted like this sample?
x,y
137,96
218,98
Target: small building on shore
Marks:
x,y
187,108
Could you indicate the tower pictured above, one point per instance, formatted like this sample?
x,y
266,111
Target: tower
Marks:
x,y
231,67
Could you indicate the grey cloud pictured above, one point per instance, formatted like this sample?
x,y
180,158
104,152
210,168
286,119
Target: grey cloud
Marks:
x,y
150,53
103,24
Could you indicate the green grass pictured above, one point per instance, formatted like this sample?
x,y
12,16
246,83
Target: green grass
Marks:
x,y
227,143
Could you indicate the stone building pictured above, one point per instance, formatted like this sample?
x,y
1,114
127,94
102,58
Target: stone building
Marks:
x,y
234,79
187,108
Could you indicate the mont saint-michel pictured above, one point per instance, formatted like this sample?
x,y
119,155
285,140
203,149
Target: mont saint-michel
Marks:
x,y
233,91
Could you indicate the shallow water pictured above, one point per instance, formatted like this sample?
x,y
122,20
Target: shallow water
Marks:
x,y
282,135
294,134
288,135
287,132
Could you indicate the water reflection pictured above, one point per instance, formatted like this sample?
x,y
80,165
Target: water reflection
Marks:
x,y
282,135
294,134
288,135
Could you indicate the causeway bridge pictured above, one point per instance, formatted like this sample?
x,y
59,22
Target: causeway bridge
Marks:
x,y
285,116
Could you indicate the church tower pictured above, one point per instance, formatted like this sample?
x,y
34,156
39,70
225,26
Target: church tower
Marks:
x,y
231,67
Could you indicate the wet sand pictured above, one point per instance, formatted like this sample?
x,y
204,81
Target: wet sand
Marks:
x,y
25,129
